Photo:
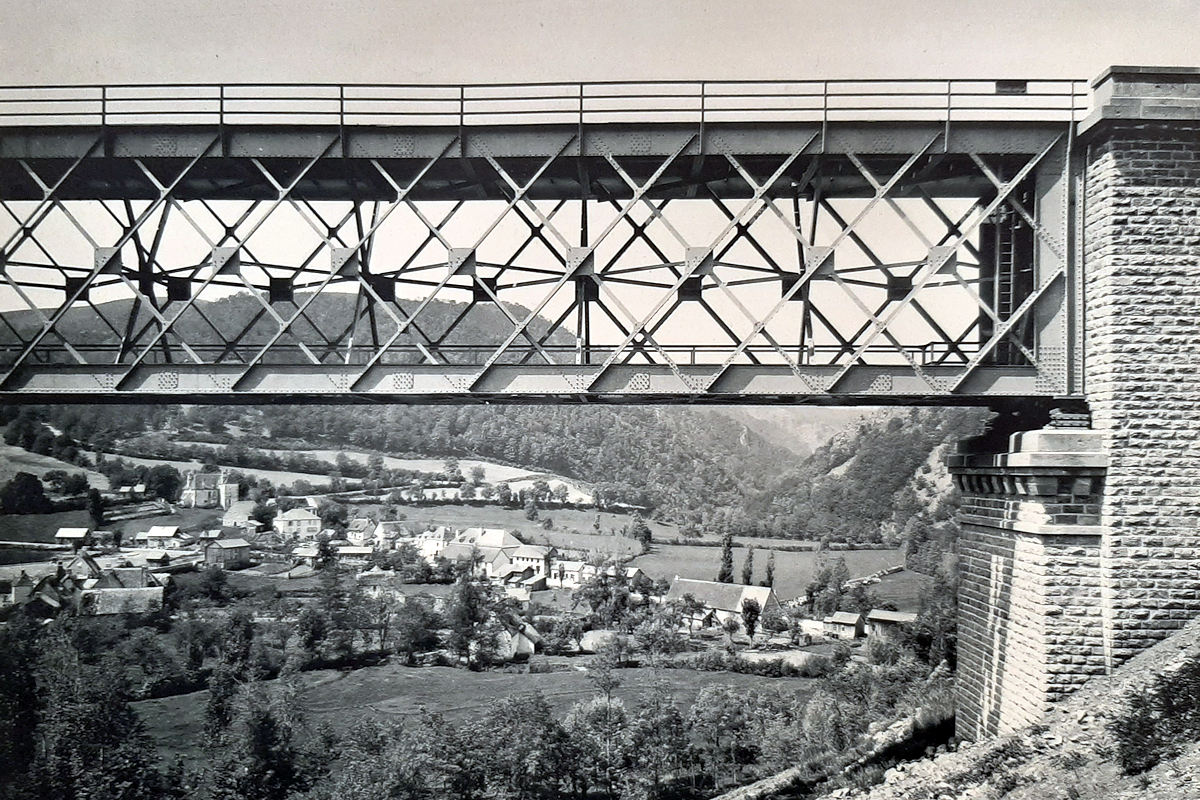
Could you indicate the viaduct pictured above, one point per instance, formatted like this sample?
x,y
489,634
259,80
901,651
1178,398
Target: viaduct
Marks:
x,y
1028,245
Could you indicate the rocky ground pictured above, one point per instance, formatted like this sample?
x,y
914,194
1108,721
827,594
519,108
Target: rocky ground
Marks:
x,y
1067,757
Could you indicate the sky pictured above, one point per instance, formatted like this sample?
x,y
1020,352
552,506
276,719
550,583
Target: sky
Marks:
x,y
82,41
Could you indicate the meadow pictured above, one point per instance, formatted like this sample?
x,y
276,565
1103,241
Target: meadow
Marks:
x,y
793,571
14,459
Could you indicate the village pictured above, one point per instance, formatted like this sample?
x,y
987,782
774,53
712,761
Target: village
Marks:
x,y
103,573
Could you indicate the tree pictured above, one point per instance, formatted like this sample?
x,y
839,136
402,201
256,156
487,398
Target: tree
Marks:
x,y
24,494
640,531
55,479
561,493
95,507
75,484
731,626
531,508
748,567
262,759
263,513
467,618
477,474
751,611
658,741
526,751
333,515
769,580
312,626
599,727
725,575
163,481
504,494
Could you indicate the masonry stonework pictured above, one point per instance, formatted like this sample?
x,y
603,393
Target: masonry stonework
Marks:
x,y
1079,553
1030,605
1142,284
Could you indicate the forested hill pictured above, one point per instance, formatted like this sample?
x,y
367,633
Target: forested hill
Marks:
x,y
746,471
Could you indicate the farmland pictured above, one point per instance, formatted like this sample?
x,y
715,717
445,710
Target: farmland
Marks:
x,y
395,692
793,571
15,459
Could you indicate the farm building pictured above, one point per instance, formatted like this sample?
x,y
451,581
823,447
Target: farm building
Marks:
x,y
76,537
227,552
843,625
163,537
888,623
712,603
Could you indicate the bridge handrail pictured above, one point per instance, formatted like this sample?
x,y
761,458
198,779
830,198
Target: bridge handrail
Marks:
x,y
581,103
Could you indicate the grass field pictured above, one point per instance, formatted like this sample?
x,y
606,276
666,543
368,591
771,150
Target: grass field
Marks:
x,y
13,460
903,589
793,571
513,519
395,692
274,476
40,527
492,472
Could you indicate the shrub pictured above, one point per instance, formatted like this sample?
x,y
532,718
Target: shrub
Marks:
x,y
1160,720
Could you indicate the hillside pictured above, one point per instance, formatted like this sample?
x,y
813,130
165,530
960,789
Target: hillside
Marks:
x,y
789,472
1073,753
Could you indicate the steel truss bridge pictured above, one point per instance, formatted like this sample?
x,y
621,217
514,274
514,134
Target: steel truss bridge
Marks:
x,y
768,242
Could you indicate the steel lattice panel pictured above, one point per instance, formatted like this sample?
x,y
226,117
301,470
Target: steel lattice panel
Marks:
x,y
847,263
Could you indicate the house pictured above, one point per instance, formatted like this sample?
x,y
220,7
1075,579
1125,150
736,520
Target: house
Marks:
x,y
388,534
534,556
208,490
516,639
76,537
306,554
379,583
565,574
354,554
712,603
238,515
163,537
843,625
888,624
19,590
86,588
300,523
361,531
430,543
121,590
520,581
227,553
492,546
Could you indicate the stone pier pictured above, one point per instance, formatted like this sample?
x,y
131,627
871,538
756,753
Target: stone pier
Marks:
x,y
1082,548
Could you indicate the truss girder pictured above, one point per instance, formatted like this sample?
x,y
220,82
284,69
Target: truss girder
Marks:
x,y
469,272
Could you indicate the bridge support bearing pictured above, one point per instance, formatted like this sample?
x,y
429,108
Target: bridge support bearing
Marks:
x,y
1031,603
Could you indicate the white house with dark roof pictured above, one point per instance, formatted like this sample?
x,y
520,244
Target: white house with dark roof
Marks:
x,y
712,602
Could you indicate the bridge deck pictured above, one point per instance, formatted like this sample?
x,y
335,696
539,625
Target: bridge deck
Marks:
x,y
828,241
